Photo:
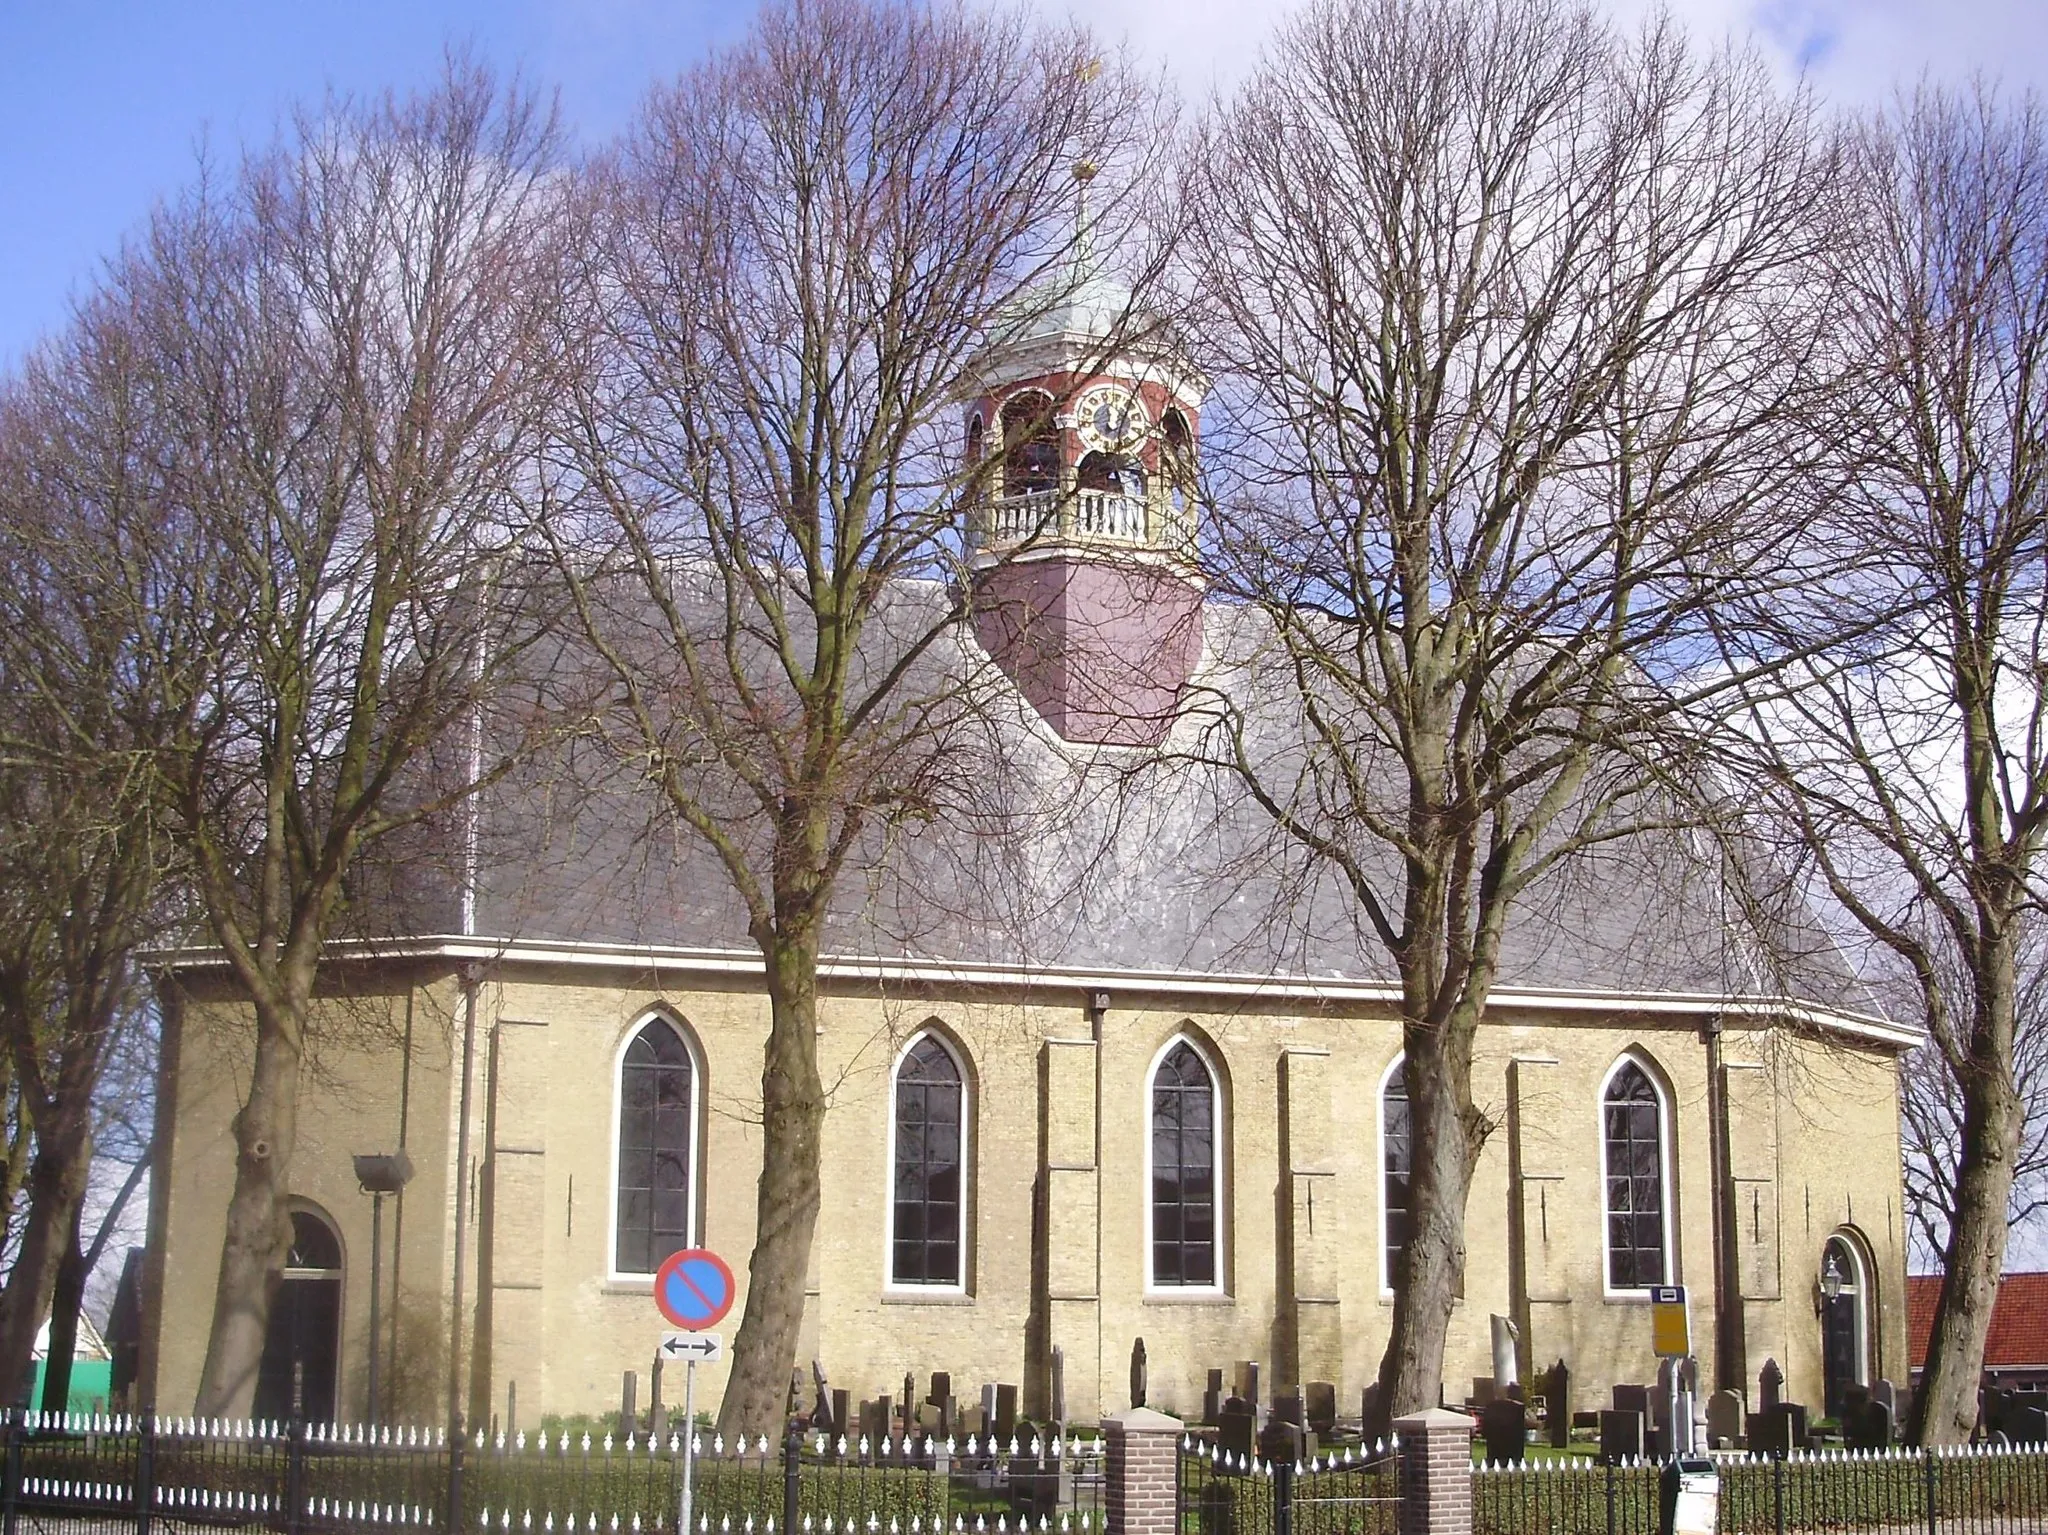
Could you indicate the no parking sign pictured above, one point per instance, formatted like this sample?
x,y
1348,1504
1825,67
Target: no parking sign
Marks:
x,y
693,1289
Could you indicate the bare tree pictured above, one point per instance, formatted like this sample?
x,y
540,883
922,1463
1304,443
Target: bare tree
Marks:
x,y
1912,757
349,337
800,249
83,854
1508,315
1931,1111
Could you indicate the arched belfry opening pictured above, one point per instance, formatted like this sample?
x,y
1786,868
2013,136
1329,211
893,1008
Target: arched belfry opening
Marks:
x,y
1086,589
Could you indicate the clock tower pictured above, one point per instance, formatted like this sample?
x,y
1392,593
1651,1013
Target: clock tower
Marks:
x,y
1081,441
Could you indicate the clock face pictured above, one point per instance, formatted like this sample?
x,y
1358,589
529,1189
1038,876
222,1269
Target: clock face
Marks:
x,y
1110,419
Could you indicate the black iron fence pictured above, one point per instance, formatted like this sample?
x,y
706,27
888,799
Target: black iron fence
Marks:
x,y
155,1476
1968,1490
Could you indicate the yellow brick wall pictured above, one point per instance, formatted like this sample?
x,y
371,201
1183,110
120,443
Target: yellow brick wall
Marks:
x,y
1058,1115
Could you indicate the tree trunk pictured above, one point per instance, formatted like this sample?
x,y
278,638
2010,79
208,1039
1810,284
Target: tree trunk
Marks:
x,y
792,1126
258,1225
1945,1407
65,1302
56,1183
1431,1273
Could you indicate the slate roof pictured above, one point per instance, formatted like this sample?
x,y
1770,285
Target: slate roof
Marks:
x,y
1055,856
2019,1321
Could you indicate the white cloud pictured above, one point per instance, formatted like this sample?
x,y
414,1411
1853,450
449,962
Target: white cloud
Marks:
x,y
1853,50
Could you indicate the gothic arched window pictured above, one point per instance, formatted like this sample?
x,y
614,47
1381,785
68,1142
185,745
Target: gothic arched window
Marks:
x,y
1183,1164
1395,1132
657,1142
929,1157
1632,1155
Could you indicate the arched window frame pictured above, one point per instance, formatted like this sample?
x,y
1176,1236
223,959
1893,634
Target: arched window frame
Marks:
x,y
694,1190
1380,1111
1219,1124
890,1282
1013,413
1864,1275
1667,1181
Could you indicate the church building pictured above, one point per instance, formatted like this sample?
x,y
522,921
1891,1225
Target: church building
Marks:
x,y
1159,1094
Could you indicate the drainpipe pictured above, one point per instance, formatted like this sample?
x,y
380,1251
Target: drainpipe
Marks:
x,y
1731,1367
472,976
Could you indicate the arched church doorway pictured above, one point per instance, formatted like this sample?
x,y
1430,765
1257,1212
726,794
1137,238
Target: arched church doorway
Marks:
x,y
1844,1322
304,1339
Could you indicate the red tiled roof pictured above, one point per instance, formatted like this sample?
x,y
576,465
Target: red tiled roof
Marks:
x,y
2019,1320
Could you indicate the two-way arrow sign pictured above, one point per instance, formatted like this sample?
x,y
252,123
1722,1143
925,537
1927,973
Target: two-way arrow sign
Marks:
x,y
697,1347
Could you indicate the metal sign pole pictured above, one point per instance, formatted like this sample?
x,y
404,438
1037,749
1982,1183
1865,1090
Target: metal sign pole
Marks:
x,y
689,1438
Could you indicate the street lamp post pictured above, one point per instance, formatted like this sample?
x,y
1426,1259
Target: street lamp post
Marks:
x,y
379,1175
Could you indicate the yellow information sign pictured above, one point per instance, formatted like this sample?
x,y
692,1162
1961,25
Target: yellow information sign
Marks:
x,y
1670,1323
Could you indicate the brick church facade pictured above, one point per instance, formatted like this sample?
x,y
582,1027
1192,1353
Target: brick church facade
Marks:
x,y
1158,1094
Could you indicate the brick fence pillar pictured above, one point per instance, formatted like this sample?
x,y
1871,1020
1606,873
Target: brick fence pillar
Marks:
x,y
1435,1472
1142,1479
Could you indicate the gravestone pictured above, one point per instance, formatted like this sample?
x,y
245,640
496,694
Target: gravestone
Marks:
x,y
1288,1408
1557,1396
885,1422
909,1398
1281,1441
1622,1436
1059,1385
1368,1407
1887,1393
988,1411
1770,1386
1796,1411
1248,1388
942,1388
1322,1407
1139,1379
1868,1425
842,1408
1636,1399
1482,1390
1005,1425
1236,1427
1770,1433
629,1409
822,1418
1724,1420
1212,1399
1504,1425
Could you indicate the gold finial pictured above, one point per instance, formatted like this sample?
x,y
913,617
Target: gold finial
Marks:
x,y
1091,72
1085,171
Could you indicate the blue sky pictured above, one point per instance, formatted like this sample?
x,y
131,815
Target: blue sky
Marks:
x,y
104,103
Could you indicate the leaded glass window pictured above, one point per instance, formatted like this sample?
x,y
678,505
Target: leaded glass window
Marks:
x,y
1395,1131
930,1148
655,1132
1183,1170
1633,1118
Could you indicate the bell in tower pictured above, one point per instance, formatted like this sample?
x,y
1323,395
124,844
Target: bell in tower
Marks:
x,y
1083,438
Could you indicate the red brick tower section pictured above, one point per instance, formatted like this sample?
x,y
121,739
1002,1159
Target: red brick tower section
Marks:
x,y
1087,590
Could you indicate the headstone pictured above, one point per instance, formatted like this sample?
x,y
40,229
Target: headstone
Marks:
x,y
1770,1433
1235,1430
823,1420
909,1397
1004,1427
1506,1371
1887,1393
1621,1436
1212,1399
1138,1381
1322,1407
1796,1411
1369,1407
1724,1420
1281,1441
1288,1408
629,1408
1482,1390
929,1419
972,1422
988,1409
1557,1395
942,1388
657,1417
1636,1399
1059,1384
1868,1426
885,1422
1504,1425
1770,1386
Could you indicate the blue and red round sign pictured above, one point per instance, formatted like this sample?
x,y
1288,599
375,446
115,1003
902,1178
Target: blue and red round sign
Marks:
x,y
693,1289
